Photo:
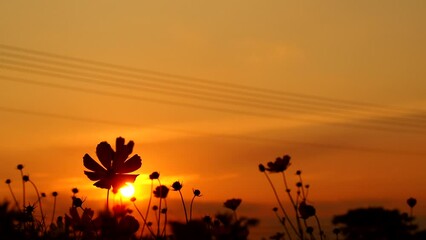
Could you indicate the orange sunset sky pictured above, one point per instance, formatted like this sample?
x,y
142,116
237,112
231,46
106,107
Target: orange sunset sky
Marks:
x,y
208,90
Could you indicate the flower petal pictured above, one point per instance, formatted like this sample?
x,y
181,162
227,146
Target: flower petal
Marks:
x,y
105,154
91,164
94,176
120,180
132,164
122,152
103,183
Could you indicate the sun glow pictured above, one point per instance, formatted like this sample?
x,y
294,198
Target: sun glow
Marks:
x,y
128,190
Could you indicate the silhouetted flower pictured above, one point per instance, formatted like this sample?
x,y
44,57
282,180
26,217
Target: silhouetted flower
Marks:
x,y
177,186
43,194
309,230
29,209
164,210
77,202
26,178
275,209
74,190
232,203
306,210
154,175
82,223
411,202
8,181
20,166
298,172
115,165
280,164
55,194
197,193
261,168
133,199
299,184
155,208
161,191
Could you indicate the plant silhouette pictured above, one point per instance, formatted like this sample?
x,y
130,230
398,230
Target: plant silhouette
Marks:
x,y
25,219
115,167
377,223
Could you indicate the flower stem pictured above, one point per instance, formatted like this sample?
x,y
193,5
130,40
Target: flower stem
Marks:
x,y
107,200
165,219
13,195
190,208
53,212
282,221
159,210
319,226
159,216
148,208
184,207
281,206
299,226
303,191
144,220
41,206
23,189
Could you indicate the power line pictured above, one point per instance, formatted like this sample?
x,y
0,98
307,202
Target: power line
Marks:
x,y
260,105
190,95
236,88
196,106
237,137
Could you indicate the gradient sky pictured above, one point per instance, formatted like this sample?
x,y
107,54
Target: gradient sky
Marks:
x,y
365,57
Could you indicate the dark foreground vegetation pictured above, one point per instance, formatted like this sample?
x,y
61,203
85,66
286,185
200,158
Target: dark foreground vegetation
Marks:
x,y
26,219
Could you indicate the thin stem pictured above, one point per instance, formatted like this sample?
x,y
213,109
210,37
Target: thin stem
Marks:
x,y
13,195
107,200
41,206
184,207
23,189
159,216
299,226
148,208
282,221
306,227
165,219
319,226
54,208
159,209
144,219
303,191
281,206
190,208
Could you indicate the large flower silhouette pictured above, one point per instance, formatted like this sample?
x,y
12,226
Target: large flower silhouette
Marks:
x,y
115,168
280,164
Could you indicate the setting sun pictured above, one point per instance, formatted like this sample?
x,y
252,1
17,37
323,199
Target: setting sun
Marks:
x,y
128,190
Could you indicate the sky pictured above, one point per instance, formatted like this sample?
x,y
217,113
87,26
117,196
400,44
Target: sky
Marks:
x,y
208,90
